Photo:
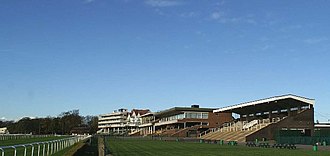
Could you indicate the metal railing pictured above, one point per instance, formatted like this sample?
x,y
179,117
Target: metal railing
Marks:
x,y
22,136
44,148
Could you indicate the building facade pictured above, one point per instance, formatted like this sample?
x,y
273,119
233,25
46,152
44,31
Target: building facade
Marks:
x,y
121,122
114,122
188,121
4,130
147,126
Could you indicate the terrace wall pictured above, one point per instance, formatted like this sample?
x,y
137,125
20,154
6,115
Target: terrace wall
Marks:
x,y
302,120
217,119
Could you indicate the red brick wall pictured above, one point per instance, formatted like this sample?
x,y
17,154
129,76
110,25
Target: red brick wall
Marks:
x,y
217,119
302,120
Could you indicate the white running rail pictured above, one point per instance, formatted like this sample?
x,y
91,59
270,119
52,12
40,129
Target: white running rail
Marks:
x,y
43,148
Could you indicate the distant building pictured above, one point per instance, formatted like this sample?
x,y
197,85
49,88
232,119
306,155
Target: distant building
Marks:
x,y
4,130
322,130
321,126
177,121
121,121
188,121
81,130
264,119
268,118
134,119
114,122
147,126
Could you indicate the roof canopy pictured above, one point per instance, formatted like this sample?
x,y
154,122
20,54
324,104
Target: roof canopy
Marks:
x,y
268,104
178,110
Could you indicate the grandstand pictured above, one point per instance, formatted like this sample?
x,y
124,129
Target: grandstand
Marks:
x,y
188,121
263,119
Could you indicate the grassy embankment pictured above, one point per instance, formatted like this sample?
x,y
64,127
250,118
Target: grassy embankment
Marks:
x,y
85,148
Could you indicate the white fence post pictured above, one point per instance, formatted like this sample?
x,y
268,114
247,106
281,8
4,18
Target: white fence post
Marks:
x,y
2,152
24,150
32,149
38,152
48,147
52,146
43,148
15,152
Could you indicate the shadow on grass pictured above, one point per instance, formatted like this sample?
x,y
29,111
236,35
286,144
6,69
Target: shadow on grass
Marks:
x,y
89,149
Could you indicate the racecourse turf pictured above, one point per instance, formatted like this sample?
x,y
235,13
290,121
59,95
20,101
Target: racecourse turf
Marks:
x,y
29,140
20,150
140,147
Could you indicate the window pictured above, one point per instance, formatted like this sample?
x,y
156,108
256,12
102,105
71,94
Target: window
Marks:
x,y
205,115
196,115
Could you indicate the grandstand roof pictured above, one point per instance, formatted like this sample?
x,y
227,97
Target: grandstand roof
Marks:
x,y
267,104
148,114
177,110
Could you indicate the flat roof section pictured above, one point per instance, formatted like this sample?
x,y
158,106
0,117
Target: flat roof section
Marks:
x,y
322,125
267,104
177,110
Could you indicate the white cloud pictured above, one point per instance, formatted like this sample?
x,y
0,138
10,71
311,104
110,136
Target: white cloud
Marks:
x,y
315,40
3,118
88,1
162,3
291,27
216,15
265,47
223,18
220,3
189,14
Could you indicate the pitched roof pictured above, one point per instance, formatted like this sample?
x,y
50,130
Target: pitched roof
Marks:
x,y
140,111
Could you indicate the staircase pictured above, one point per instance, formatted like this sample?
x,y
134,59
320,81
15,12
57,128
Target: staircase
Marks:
x,y
134,133
236,131
183,132
166,133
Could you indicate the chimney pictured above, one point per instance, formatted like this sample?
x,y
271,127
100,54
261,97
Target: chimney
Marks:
x,y
194,106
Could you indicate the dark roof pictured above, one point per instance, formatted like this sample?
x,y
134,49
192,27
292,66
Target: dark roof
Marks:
x,y
267,104
178,110
80,130
140,111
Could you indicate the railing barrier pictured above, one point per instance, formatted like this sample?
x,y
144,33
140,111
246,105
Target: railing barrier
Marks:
x,y
51,148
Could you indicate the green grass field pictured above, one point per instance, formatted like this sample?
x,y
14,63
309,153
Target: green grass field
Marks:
x,y
80,149
121,147
29,140
20,150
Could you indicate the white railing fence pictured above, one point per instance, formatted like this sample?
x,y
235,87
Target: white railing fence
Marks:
x,y
22,136
41,148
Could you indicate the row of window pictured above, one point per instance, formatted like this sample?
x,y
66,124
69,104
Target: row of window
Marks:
x,y
187,115
197,115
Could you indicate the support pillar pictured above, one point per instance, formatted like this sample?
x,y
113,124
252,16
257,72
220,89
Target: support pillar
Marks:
x,y
299,109
289,111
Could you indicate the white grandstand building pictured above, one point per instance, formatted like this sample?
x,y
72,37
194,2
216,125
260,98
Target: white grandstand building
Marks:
x,y
121,121
113,122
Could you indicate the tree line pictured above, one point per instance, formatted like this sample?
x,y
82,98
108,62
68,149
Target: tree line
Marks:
x,y
65,123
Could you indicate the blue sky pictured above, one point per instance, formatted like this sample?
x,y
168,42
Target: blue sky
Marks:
x,y
100,55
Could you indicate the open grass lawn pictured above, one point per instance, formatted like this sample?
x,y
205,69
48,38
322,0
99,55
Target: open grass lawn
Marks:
x,y
20,150
28,140
121,147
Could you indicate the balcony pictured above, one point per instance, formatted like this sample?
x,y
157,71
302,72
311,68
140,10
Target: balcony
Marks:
x,y
165,122
111,121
